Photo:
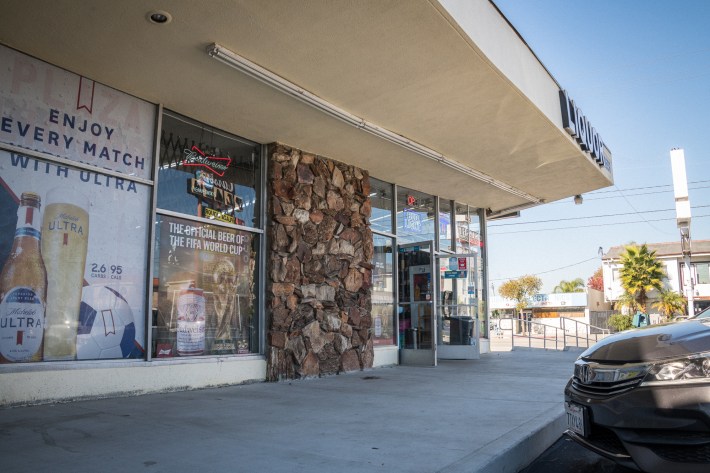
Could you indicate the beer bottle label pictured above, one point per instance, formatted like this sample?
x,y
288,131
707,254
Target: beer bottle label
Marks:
x,y
191,323
28,231
21,324
378,326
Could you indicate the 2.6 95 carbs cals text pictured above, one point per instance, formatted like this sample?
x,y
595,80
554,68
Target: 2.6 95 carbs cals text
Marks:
x,y
104,271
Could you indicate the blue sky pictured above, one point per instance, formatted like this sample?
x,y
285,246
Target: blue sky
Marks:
x,y
640,71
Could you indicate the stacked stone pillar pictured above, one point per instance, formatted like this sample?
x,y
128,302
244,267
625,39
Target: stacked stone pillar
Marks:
x,y
319,277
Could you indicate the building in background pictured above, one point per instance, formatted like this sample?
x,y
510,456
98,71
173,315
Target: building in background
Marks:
x,y
671,256
549,308
264,190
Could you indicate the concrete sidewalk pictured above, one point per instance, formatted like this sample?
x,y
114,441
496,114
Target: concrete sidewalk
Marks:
x,y
495,414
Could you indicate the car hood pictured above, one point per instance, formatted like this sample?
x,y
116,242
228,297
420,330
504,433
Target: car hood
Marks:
x,y
655,342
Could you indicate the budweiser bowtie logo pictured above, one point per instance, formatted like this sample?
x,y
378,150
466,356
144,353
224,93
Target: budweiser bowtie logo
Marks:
x,y
196,157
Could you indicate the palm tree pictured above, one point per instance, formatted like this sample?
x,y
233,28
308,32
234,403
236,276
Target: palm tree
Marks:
x,y
628,301
671,303
575,285
640,273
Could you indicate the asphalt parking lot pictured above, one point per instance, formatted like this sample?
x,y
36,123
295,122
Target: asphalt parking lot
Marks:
x,y
566,456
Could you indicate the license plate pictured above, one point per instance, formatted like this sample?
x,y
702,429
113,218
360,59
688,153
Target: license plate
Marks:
x,y
577,418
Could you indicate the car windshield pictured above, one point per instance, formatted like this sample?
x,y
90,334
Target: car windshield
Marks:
x,y
704,314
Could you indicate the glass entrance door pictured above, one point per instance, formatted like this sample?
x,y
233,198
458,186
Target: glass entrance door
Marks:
x,y
417,293
457,307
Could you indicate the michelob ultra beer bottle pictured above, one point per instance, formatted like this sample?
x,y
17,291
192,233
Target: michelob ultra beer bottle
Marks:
x,y
23,288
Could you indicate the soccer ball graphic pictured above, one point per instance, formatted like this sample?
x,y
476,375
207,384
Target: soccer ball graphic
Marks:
x,y
106,326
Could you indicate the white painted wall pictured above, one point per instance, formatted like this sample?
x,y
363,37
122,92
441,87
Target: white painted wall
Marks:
x,y
56,382
386,356
60,382
673,272
613,290
596,301
558,301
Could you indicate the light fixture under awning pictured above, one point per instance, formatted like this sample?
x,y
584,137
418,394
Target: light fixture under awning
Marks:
x,y
257,72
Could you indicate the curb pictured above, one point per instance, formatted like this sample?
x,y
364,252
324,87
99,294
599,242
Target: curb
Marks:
x,y
510,454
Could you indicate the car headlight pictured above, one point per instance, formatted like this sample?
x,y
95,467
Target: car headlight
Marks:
x,y
686,370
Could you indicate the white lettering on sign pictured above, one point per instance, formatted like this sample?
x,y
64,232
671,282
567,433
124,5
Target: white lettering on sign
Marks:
x,y
50,110
577,125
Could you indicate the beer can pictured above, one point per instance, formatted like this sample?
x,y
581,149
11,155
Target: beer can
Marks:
x,y
191,322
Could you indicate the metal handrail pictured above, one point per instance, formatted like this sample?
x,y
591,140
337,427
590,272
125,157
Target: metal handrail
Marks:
x,y
530,324
587,331
534,326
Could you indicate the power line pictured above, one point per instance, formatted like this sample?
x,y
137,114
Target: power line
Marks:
x,y
587,226
637,212
625,197
629,195
643,188
588,217
551,270
644,193
574,218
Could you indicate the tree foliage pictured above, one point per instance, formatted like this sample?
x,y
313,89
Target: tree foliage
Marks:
x,y
575,285
621,322
640,273
671,303
628,301
596,281
520,290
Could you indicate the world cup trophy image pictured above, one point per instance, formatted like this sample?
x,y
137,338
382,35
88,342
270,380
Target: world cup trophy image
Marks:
x,y
224,278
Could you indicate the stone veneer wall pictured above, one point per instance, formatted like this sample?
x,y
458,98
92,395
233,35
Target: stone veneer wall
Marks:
x,y
319,277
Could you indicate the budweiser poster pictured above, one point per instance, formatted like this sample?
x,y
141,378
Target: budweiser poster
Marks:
x,y
205,289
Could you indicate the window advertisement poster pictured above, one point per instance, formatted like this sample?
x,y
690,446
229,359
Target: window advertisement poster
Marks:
x,y
445,225
415,216
73,253
205,289
383,301
48,109
412,220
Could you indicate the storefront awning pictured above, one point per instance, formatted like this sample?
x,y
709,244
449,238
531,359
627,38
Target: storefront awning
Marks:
x,y
454,80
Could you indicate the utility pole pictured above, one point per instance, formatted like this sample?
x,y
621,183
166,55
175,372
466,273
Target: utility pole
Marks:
x,y
682,211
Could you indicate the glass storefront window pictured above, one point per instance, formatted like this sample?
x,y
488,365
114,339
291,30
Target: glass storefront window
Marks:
x,y
445,225
383,303
382,205
74,117
462,224
88,279
207,173
73,240
415,216
474,229
476,245
468,240
458,304
204,289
